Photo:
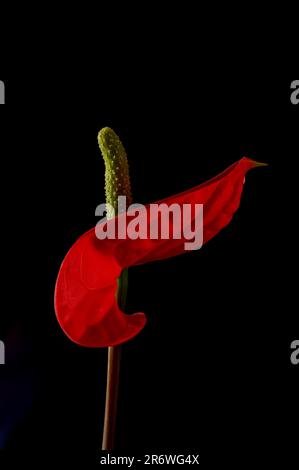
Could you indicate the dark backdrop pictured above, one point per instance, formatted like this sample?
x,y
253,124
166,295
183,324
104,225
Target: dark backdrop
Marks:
x,y
211,371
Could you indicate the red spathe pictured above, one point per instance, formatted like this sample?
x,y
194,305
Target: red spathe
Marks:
x,y
85,293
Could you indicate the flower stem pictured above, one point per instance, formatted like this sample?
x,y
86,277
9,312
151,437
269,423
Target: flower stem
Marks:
x,y
113,369
114,354
117,183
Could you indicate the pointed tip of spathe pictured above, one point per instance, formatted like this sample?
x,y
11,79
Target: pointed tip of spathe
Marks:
x,y
256,164
253,163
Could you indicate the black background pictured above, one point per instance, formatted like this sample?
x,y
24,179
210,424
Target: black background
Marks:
x,y
211,371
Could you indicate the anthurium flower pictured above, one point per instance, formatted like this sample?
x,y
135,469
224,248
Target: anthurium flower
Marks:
x,y
85,295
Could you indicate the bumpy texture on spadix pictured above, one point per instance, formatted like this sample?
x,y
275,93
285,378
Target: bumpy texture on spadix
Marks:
x,y
85,294
117,179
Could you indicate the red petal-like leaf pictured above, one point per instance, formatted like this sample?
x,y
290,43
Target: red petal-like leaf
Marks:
x,y
85,294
